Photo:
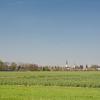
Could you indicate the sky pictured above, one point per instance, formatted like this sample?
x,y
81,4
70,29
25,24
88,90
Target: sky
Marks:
x,y
49,32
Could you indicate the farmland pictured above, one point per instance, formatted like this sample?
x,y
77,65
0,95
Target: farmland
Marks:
x,y
48,93
63,78
64,85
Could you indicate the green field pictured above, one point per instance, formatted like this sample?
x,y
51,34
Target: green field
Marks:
x,y
73,79
48,93
50,85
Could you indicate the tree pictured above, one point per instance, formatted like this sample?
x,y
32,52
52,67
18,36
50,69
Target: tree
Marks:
x,y
81,66
33,67
1,65
13,66
5,66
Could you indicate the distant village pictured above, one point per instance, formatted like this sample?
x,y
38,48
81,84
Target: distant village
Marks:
x,y
81,67
6,66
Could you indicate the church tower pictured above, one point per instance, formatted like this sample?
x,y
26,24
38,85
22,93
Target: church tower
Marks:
x,y
66,64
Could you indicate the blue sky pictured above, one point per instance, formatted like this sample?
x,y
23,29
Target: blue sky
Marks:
x,y
48,32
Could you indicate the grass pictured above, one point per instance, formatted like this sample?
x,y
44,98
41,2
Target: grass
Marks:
x,y
72,79
14,92
50,85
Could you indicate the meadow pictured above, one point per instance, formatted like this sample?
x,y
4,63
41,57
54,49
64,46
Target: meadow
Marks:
x,y
64,85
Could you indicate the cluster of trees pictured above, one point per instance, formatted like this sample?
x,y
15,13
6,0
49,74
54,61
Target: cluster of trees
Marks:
x,y
5,66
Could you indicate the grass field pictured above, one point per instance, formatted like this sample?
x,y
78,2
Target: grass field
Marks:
x,y
73,79
50,85
48,93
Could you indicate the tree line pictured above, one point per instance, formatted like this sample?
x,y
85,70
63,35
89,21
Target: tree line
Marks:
x,y
6,66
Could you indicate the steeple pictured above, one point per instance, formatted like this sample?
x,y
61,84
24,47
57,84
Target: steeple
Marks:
x,y
66,63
